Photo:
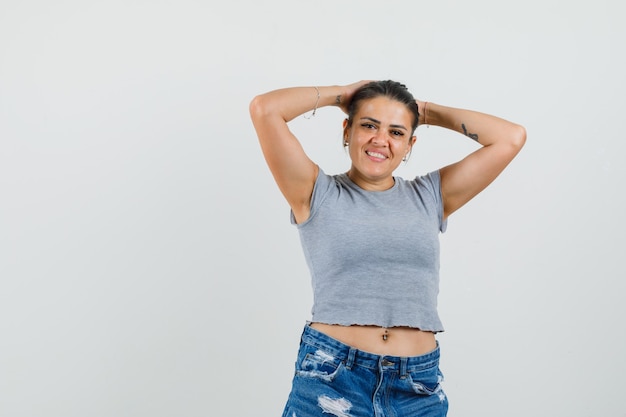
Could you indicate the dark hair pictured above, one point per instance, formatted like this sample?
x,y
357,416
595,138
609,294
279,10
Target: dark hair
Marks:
x,y
390,89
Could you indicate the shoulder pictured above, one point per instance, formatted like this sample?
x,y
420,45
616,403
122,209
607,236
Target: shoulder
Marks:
x,y
429,183
325,186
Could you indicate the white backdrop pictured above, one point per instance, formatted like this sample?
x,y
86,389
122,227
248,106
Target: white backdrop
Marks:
x,y
147,263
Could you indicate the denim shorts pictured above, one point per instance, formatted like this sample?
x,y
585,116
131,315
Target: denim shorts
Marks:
x,y
334,379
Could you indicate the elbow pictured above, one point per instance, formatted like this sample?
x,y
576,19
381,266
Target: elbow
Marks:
x,y
518,137
257,107
263,107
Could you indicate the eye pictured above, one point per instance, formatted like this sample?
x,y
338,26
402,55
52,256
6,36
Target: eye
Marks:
x,y
397,133
368,125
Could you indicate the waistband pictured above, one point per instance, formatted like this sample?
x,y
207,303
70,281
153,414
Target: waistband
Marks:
x,y
352,356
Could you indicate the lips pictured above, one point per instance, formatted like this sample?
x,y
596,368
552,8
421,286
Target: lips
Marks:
x,y
376,155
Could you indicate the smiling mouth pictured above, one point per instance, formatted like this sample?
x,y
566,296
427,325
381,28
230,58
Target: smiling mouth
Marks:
x,y
376,155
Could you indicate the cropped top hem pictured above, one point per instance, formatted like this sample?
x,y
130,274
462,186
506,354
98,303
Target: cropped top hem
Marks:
x,y
423,328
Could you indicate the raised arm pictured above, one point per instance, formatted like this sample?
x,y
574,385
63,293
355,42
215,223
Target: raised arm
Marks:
x,y
501,140
292,169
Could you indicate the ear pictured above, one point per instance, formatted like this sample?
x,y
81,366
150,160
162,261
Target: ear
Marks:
x,y
409,148
345,129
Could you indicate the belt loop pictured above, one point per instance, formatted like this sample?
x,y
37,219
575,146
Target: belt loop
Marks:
x,y
403,363
350,360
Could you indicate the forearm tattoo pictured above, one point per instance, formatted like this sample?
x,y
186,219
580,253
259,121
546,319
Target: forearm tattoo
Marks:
x,y
468,134
338,100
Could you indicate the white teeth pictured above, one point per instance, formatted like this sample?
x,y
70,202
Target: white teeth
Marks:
x,y
376,155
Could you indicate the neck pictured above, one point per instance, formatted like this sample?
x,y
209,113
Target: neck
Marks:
x,y
370,184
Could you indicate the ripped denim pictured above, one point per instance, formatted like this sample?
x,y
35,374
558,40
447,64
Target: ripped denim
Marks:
x,y
334,379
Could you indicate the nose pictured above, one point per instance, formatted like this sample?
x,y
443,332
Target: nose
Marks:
x,y
380,138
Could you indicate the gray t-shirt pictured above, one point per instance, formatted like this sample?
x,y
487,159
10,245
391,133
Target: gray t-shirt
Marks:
x,y
374,255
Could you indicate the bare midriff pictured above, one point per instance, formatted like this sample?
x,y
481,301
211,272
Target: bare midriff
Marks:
x,y
392,341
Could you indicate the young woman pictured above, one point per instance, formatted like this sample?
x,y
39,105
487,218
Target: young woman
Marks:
x,y
371,241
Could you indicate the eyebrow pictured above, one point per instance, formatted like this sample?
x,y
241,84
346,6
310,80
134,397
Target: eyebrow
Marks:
x,y
378,122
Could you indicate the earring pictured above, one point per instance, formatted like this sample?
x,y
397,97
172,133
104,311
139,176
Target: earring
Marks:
x,y
345,143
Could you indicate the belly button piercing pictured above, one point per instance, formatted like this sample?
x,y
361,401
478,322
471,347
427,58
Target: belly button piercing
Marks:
x,y
385,335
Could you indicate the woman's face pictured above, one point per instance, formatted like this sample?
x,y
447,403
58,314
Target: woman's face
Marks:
x,y
378,139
